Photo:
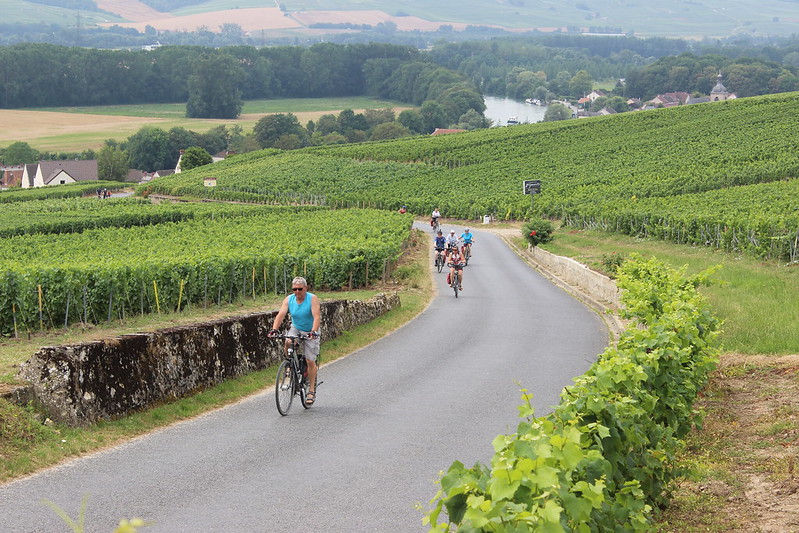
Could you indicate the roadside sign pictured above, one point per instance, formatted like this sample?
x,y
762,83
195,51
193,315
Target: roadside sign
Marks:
x,y
532,186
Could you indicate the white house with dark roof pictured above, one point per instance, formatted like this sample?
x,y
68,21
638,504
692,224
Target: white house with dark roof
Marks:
x,y
59,172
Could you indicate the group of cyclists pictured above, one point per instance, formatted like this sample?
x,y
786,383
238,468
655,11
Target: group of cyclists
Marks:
x,y
452,249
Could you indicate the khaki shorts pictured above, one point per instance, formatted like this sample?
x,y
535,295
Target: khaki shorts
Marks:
x,y
310,347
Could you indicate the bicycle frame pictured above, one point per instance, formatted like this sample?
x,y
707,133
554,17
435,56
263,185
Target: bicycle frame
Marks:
x,y
291,376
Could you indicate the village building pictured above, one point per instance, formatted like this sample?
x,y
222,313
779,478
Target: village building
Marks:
x,y
11,175
59,172
719,92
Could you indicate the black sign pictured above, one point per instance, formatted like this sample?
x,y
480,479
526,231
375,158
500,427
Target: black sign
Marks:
x,y
532,186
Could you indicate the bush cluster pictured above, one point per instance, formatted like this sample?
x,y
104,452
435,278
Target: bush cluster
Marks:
x,y
538,231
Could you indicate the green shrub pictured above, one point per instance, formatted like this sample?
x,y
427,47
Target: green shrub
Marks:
x,y
538,231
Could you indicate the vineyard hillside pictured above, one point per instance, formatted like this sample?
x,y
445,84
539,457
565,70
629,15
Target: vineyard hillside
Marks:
x,y
721,174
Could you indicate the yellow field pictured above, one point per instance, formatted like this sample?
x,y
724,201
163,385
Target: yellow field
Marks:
x,y
74,132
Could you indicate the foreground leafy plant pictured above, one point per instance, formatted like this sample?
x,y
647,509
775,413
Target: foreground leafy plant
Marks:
x,y
602,459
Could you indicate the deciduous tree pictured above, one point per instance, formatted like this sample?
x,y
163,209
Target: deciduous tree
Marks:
x,y
213,90
194,157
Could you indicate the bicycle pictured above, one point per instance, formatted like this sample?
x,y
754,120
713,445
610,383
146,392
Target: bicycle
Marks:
x,y
456,280
467,252
439,262
292,376
435,225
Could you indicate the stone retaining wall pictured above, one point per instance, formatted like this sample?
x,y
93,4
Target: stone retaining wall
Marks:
x,y
83,383
599,286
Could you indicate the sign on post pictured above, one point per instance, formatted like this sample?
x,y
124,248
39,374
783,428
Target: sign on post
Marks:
x,y
532,186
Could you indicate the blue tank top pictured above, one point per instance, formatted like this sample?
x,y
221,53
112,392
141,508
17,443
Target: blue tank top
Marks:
x,y
301,315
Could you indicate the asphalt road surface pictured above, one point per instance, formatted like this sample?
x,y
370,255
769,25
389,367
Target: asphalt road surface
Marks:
x,y
387,420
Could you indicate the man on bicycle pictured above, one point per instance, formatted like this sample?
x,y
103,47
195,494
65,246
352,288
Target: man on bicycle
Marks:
x,y
455,263
305,311
467,238
434,218
440,244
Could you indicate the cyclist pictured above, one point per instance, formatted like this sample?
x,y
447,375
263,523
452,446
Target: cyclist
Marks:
x,y
451,242
455,263
305,311
467,238
434,217
451,239
440,244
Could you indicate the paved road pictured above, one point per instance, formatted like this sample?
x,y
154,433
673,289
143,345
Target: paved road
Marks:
x,y
387,420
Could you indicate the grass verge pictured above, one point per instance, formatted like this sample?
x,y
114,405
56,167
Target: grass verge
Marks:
x,y
758,300
29,443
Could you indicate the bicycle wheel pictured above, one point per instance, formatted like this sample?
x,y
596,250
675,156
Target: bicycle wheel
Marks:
x,y
456,283
467,254
285,387
439,263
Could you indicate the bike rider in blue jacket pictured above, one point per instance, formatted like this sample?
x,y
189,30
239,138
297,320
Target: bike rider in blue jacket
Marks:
x,y
440,244
467,238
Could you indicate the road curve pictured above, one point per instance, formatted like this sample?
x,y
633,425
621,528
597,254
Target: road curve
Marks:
x,y
388,419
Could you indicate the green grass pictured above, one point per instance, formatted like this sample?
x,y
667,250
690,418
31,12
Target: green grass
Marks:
x,y
758,301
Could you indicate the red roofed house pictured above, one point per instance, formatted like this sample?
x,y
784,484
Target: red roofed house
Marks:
x,y
11,175
59,172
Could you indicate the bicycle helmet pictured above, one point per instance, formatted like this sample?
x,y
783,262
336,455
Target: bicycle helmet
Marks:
x,y
452,232
466,230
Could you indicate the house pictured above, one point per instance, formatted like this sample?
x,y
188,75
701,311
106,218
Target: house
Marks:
x,y
670,99
11,175
596,93
445,131
59,172
209,182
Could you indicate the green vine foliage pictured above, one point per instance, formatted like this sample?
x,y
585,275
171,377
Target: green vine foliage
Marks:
x,y
603,458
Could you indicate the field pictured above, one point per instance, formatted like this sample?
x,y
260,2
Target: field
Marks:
x,y
77,129
695,20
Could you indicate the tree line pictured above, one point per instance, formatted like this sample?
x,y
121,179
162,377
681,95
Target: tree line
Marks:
x,y
39,75
152,148
557,66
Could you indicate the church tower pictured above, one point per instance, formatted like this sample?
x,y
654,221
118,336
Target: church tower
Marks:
x,y
719,92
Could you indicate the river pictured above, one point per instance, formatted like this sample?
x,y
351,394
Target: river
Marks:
x,y
501,109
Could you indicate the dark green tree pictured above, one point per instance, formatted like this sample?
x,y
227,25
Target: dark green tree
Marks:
x,y
19,153
271,127
389,130
194,157
411,119
112,163
213,87
581,84
148,149
433,116
557,112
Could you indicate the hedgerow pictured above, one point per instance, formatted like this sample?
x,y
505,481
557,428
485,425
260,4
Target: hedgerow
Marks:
x,y
603,458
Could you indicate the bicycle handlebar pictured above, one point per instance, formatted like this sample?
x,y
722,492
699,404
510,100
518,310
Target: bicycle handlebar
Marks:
x,y
293,337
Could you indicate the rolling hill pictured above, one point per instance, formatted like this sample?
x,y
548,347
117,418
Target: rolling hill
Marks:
x,y
710,18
